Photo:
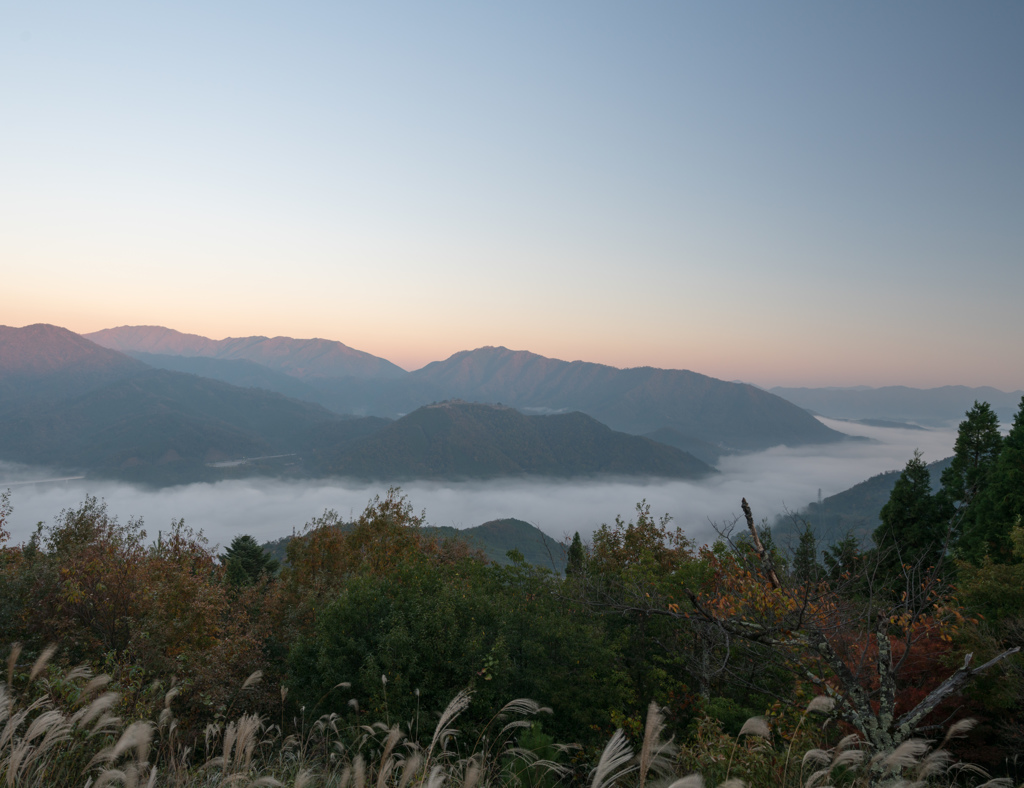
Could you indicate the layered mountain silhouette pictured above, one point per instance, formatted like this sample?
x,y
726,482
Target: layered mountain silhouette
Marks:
x,y
66,402
300,358
461,440
638,400
45,363
69,403
701,412
945,405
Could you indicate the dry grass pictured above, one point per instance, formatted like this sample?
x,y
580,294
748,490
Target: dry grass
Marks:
x,y
60,730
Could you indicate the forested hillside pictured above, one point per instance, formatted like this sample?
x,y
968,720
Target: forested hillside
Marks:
x,y
855,511
739,651
459,440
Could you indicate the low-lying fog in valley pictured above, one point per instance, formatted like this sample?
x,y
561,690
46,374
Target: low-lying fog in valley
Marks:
x,y
772,481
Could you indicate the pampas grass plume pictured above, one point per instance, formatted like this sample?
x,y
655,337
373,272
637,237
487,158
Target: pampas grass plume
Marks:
x,y
756,726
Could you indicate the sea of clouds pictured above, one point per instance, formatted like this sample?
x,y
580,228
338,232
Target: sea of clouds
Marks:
x,y
773,481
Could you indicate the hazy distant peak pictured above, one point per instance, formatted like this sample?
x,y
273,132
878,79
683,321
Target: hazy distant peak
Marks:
x,y
456,440
935,406
638,400
301,358
41,349
153,339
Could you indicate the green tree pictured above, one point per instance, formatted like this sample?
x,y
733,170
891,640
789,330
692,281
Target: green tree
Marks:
x,y
575,557
806,568
246,562
1001,504
913,530
410,639
977,447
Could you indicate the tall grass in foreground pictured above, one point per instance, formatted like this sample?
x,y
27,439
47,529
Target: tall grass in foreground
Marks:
x,y
60,730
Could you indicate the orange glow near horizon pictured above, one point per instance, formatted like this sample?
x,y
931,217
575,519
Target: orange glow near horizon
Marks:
x,y
759,360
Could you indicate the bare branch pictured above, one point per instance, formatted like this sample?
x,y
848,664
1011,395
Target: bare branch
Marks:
x,y
963,675
762,554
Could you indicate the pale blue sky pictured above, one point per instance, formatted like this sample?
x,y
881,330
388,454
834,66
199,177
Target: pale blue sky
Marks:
x,y
786,193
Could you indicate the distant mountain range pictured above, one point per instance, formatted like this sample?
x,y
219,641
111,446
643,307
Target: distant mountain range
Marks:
x,y
43,363
65,402
941,406
78,405
300,358
700,411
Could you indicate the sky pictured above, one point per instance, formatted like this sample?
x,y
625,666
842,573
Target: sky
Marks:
x,y
815,194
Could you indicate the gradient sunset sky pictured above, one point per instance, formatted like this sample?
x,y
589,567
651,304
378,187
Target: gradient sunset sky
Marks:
x,y
781,193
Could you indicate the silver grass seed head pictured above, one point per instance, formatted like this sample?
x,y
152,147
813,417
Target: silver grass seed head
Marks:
x,y
689,781
960,728
756,726
816,757
935,763
42,661
847,742
906,755
848,758
95,685
12,661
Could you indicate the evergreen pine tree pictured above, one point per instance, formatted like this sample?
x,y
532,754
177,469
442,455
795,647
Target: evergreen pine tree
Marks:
x,y
247,562
576,557
913,529
1001,503
977,447
845,563
806,568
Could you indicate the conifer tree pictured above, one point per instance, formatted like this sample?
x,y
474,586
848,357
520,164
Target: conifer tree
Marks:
x,y
805,559
913,530
977,447
1001,504
247,562
576,557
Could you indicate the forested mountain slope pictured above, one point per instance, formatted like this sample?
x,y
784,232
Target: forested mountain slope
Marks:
x,y
455,440
638,400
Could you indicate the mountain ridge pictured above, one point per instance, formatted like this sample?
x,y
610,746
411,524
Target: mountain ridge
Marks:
x,y
140,423
725,416
301,358
636,400
462,440
938,406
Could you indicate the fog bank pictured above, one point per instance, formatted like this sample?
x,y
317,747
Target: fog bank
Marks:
x,y
771,481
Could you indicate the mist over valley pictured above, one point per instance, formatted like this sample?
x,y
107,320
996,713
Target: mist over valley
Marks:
x,y
772,481
236,435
